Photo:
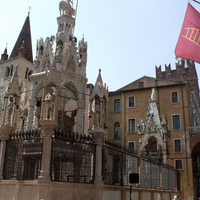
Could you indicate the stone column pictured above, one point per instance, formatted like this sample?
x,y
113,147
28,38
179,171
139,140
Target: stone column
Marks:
x,y
101,113
164,156
15,111
140,171
164,151
5,131
79,125
48,127
161,177
43,107
106,113
90,115
55,113
31,110
98,138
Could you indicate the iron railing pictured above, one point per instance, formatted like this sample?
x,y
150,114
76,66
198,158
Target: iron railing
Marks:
x,y
118,163
73,158
23,156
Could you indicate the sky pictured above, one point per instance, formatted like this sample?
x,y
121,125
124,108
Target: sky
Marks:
x,y
126,39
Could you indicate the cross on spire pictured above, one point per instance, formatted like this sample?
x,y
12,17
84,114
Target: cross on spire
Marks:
x,y
29,9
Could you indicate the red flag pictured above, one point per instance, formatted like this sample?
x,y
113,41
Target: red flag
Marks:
x,y
188,45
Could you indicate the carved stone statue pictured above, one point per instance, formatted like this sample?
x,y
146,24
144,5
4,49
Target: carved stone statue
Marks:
x,y
10,110
66,8
141,126
153,94
49,99
59,50
47,64
83,51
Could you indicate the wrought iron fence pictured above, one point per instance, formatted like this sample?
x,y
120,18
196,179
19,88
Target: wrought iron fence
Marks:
x,y
150,172
23,156
73,158
118,163
168,177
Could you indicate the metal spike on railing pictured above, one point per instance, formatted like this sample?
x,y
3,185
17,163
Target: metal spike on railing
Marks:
x,y
81,137
84,137
77,136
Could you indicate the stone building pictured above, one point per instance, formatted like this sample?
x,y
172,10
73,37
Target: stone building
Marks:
x,y
159,117
53,127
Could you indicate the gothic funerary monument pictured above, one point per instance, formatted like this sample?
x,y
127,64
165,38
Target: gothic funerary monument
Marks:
x,y
53,126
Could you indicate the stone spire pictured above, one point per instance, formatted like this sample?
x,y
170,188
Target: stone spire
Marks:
x,y
4,56
99,81
24,40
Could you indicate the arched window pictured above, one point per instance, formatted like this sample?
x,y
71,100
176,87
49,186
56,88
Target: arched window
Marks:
x,y
117,130
11,70
7,72
29,73
41,50
151,145
26,74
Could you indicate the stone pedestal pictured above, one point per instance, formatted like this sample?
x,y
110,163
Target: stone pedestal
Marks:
x,y
98,135
48,127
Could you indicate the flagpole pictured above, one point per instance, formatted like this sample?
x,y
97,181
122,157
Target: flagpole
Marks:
x,y
196,1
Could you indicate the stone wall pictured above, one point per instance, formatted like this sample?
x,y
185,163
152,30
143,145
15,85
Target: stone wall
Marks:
x,y
32,190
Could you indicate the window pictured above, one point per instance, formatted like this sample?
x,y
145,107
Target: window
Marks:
x,y
179,164
11,70
131,102
176,122
117,131
26,74
175,97
7,72
29,74
141,84
117,105
131,146
131,125
152,145
177,145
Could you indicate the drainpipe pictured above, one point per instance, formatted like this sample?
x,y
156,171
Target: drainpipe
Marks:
x,y
185,136
124,119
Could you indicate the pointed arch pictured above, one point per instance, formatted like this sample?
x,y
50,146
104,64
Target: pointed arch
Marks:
x,y
117,130
152,145
26,73
29,74
7,72
70,90
11,70
41,50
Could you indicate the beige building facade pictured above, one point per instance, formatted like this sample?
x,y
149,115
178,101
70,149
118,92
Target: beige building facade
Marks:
x,y
154,116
